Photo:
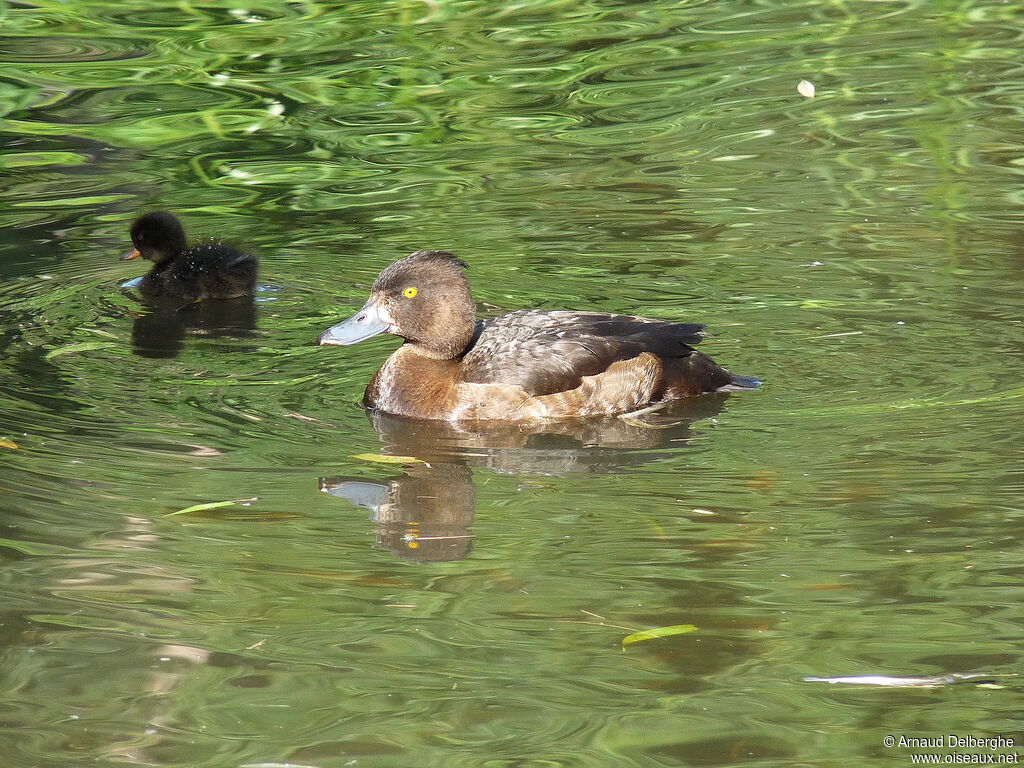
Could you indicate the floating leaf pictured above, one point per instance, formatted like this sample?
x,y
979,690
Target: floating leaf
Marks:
x,y
651,634
100,332
834,335
8,444
805,88
383,459
83,346
89,200
202,507
34,548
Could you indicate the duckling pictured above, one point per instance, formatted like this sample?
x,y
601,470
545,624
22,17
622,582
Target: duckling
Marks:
x,y
527,365
208,270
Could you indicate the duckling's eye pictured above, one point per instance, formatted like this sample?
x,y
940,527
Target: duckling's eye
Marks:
x,y
410,292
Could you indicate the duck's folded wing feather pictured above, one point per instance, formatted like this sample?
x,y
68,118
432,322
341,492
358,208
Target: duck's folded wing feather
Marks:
x,y
548,352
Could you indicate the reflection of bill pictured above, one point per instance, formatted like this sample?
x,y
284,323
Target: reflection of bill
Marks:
x,y
424,514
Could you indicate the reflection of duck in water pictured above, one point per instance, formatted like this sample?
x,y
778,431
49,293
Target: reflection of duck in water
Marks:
x,y
208,270
529,365
424,514
603,445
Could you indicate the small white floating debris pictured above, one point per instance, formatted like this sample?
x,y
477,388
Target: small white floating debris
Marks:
x,y
805,88
902,682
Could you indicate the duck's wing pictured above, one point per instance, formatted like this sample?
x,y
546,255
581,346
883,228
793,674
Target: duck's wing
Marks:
x,y
547,352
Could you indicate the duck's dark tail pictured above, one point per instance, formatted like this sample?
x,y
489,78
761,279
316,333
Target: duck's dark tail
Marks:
x,y
740,384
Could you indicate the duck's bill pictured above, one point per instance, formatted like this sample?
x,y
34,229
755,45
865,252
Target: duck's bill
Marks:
x,y
364,324
131,255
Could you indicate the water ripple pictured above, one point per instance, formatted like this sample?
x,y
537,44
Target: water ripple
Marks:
x,y
858,249
64,49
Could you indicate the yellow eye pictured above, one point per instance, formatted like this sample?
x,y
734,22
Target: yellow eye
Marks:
x,y
410,292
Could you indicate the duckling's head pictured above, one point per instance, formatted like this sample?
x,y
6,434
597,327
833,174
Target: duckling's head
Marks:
x,y
424,298
156,236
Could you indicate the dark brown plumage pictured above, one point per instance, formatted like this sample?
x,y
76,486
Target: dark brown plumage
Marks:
x,y
207,270
526,365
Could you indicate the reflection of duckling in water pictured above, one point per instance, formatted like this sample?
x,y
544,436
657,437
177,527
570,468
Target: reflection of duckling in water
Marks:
x,y
161,330
208,270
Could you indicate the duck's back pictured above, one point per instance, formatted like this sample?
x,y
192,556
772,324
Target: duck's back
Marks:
x,y
548,352
205,271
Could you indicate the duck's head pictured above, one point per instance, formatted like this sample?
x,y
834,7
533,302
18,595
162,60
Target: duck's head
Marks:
x,y
424,298
156,236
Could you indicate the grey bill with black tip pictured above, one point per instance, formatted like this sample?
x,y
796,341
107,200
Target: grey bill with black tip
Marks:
x,y
364,324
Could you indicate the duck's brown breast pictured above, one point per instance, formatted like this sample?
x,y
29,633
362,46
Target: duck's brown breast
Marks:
x,y
414,386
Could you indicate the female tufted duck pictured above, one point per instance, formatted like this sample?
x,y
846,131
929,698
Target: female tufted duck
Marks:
x,y
528,365
208,270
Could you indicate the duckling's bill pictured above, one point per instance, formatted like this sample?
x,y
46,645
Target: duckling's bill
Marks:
x,y
131,255
364,324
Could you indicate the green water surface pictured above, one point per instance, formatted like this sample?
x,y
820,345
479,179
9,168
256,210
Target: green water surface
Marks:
x,y
466,605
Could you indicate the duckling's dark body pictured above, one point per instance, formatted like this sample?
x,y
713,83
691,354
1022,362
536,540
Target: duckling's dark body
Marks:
x,y
206,270
529,365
